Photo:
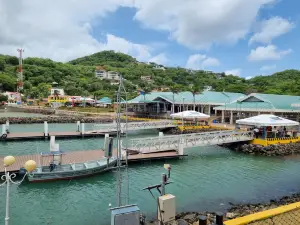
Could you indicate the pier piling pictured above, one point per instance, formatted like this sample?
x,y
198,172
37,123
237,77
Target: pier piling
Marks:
x,y
78,126
46,134
202,220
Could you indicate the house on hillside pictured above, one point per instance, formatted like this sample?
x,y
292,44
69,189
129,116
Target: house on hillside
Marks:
x,y
101,73
148,79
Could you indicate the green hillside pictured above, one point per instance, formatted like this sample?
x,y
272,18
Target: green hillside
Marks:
x,y
77,77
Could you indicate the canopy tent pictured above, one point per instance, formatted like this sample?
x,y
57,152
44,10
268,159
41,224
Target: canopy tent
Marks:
x,y
267,120
104,100
190,115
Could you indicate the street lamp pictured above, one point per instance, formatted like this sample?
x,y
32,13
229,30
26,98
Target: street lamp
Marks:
x,y
30,165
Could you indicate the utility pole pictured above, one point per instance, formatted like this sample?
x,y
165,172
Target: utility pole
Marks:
x,y
20,71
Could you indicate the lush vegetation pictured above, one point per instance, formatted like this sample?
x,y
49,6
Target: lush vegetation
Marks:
x,y
77,77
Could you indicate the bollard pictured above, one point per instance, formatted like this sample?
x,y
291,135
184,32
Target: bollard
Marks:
x,y
82,129
202,220
78,126
3,129
46,129
7,126
180,147
219,218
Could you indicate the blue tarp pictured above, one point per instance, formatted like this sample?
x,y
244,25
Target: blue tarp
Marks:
x,y
104,100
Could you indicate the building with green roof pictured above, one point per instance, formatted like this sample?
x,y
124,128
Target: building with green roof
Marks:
x,y
255,103
162,103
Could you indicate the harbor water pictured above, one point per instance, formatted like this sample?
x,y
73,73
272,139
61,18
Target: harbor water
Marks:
x,y
207,180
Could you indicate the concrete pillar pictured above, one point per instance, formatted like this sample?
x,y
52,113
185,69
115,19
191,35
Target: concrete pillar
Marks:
x,y
161,134
202,108
52,144
82,129
180,147
78,126
46,129
208,110
223,119
3,129
7,126
231,117
106,139
298,117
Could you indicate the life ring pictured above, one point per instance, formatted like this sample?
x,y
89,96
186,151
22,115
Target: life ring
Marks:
x,y
4,136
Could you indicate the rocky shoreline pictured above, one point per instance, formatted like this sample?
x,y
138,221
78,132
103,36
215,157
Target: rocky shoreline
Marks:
x,y
271,150
235,210
55,119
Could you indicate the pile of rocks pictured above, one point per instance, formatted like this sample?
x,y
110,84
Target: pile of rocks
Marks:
x,y
271,150
54,119
191,218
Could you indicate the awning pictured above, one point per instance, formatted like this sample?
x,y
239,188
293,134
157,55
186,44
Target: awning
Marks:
x,y
267,120
190,115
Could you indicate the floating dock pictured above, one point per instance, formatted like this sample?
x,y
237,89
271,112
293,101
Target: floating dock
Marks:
x,y
83,156
41,135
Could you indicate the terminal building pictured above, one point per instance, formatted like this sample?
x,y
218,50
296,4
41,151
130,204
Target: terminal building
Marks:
x,y
225,107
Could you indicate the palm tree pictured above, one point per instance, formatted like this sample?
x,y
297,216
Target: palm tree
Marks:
x,y
175,89
196,89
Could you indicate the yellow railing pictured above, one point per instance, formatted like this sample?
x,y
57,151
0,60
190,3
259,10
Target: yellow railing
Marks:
x,y
274,141
283,215
130,118
182,128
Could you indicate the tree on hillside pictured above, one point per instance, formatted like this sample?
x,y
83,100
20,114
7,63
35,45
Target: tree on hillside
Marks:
x,y
197,88
3,98
175,89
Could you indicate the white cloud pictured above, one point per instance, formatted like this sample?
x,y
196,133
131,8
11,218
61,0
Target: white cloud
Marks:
x,y
268,67
269,52
200,23
210,62
248,78
159,59
270,29
198,61
60,30
234,72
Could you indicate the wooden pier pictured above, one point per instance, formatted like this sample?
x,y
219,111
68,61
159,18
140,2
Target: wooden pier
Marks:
x,y
83,156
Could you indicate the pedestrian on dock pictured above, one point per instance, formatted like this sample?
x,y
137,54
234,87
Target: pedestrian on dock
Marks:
x,y
256,132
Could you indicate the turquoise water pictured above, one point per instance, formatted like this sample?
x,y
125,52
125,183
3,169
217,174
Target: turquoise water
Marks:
x,y
208,179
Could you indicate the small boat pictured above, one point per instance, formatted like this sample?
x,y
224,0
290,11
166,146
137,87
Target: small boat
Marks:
x,y
71,171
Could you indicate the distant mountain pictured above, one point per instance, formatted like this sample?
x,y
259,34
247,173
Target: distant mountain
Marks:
x,y
77,77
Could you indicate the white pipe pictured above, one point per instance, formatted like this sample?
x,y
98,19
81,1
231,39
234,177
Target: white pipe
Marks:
x,y
3,129
46,129
82,129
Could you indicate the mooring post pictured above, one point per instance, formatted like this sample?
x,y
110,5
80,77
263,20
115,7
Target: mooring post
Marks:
x,y
7,126
82,129
219,218
106,139
46,129
180,147
3,129
78,126
202,220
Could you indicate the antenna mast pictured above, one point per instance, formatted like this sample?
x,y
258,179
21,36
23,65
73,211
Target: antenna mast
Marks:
x,y
20,71
122,175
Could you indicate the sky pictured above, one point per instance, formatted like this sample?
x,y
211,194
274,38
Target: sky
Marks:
x,y
241,37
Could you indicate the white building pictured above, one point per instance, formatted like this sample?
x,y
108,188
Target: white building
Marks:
x,y
58,91
102,74
12,96
146,78
112,75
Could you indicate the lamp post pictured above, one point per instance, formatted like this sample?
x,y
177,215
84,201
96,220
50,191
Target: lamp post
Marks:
x,y
30,165
182,113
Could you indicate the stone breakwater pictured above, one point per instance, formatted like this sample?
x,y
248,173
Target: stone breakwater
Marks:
x,y
271,150
235,210
55,119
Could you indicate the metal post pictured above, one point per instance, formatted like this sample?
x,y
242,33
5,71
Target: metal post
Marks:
x,y
78,126
163,182
7,197
202,220
219,218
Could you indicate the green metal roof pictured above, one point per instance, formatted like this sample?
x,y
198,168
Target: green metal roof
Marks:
x,y
264,102
207,97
